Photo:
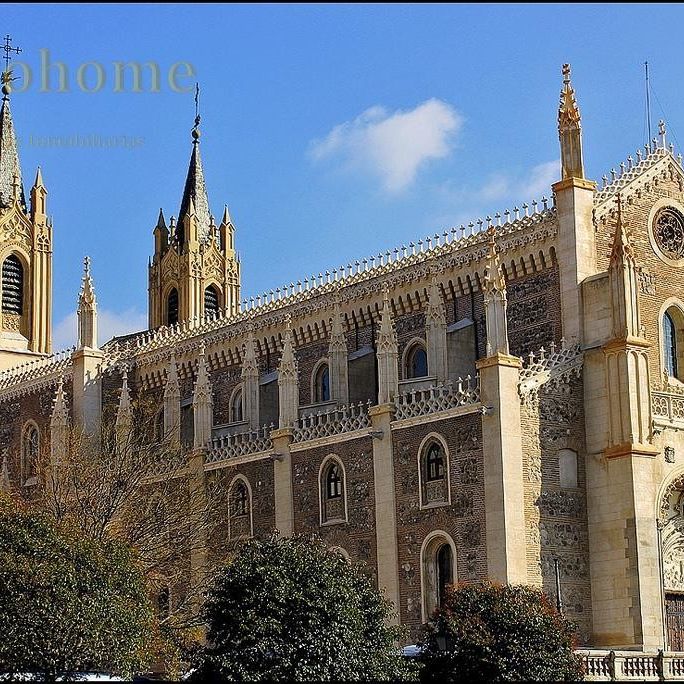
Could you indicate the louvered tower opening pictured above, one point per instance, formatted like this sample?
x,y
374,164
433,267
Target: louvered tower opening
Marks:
x,y
12,286
172,308
211,300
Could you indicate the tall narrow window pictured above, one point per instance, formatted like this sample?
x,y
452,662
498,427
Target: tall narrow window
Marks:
x,y
416,362
438,570
211,300
240,509
12,286
29,453
322,384
236,407
333,504
172,307
670,341
434,489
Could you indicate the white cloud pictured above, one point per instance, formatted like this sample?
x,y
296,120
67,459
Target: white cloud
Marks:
x,y
393,146
109,324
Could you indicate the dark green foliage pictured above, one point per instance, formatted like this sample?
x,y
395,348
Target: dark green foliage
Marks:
x,y
499,633
67,604
290,609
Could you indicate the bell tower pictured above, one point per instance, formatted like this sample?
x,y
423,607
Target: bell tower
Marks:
x,y
25,251
195,270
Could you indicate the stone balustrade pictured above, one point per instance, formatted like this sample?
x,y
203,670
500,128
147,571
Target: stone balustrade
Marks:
x,y
230,446
337,421
422,402
623,666
668,408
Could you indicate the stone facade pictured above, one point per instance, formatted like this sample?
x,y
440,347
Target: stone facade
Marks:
x,y
501,401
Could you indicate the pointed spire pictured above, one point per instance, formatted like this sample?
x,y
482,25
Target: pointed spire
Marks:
x,y
337,358
202,404
172,403
387,352
288,381
87,310
435,333
569,130
161,222
195,192
38,183
226,220
250,382
622,250
435,307
495,300
124,414
59,425
249,359
38,195
10,169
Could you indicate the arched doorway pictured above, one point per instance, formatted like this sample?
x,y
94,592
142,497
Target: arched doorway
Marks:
x,y
671,534
438,570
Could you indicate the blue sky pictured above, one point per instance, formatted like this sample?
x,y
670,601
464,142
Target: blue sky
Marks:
x,y
332,132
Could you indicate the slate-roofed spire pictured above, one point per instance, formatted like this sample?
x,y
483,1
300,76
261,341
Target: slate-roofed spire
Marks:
x,y
195,192
10,170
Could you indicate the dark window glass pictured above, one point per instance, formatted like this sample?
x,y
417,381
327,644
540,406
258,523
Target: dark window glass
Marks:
x,y
434,463
12,286
240,500
236,408
670,337
323,384
211,300
417,366
172,311
333,483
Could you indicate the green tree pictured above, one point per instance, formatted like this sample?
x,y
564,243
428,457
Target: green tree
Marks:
x,y
67,603
290,609
499,633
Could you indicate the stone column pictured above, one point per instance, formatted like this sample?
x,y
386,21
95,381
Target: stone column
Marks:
x,y
172,418
288,383
385,505
282,481
388,354
435,333
59,427
250,383
337,356
503,469
202,404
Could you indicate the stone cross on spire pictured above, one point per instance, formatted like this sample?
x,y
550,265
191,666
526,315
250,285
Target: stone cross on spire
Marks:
x,y
7,73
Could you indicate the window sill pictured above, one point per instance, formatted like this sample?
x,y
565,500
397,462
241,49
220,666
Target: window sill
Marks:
x,y
336,521
435,504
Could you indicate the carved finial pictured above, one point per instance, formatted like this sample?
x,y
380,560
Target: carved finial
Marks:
x,y
572,165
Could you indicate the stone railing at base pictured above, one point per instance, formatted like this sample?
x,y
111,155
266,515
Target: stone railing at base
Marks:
x,y
340,420
668,408
625,666
439,398
243,444
552,366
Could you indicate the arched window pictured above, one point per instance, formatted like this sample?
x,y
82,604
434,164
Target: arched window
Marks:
x,y
236,415
416,362
30,447
567,468
670,342
322,384
12,286
438,570
211,300
240,504
332,489
172,307
434,485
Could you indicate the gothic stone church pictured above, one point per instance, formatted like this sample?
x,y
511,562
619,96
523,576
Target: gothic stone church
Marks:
x,y
477,404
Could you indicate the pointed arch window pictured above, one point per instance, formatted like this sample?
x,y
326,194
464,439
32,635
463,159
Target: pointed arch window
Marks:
x,y
211,300
673,342
30,448
172,307
236,412
416,362
332,489
438,571
433,466
322,384
12,286
240,507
